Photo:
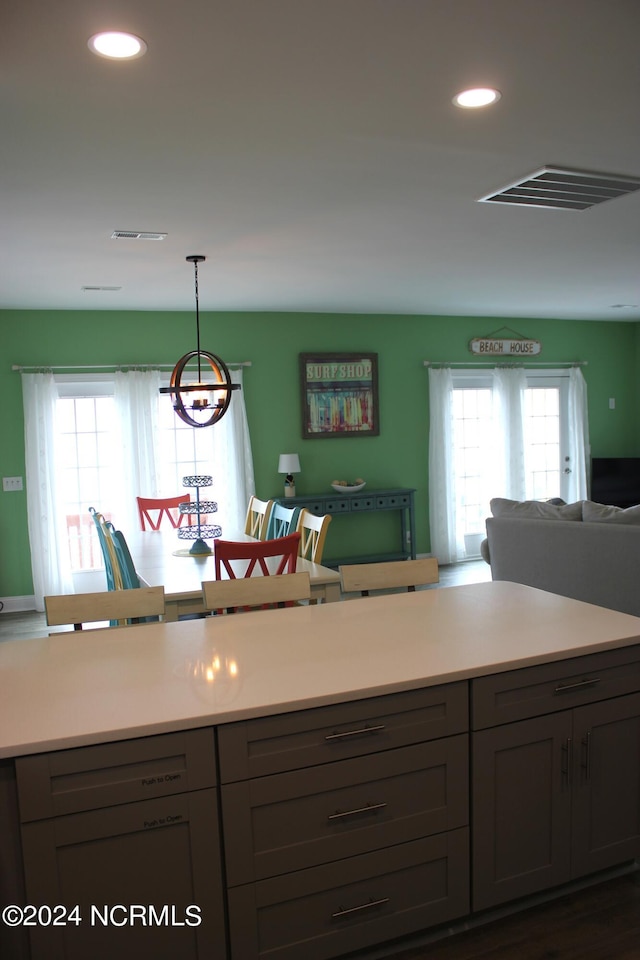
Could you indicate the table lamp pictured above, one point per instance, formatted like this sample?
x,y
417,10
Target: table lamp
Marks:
x,y
289,463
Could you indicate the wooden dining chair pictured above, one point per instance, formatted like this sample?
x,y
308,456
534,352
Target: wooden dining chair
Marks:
x,y
282,521
120,607
313,533
151,510
252,555
394,574
280,590
257,520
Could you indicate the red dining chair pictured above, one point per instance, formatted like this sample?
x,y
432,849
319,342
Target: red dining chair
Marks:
x,y
254,554
166,506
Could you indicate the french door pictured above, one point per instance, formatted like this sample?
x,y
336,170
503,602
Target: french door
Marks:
x,y
539,456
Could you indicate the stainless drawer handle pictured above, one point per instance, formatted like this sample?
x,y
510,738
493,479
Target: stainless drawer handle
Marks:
x,y
368,808
565,687
363,906
355,733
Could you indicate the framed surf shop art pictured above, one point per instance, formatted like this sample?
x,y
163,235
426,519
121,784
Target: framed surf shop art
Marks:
x,y
339,395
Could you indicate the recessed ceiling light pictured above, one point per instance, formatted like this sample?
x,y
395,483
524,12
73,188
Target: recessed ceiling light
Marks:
x,y
117,46
477,97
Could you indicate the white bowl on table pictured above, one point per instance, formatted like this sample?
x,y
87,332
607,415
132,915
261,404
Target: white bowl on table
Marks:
x,y
341,488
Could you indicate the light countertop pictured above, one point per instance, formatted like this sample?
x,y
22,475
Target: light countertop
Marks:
x,y
80,688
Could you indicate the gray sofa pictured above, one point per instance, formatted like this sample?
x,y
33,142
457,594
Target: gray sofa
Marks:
x,y
598,562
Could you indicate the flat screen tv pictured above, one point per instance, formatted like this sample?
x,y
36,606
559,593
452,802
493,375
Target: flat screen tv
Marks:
x,y
616,480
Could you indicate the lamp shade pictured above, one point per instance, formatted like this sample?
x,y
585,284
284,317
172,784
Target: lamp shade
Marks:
x,y
289,463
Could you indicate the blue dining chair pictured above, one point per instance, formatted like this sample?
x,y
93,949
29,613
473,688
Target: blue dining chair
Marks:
x,y
282,521
118,564
130,579
108,551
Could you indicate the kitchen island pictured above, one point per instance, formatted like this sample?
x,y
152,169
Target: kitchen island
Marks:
x,y
353,760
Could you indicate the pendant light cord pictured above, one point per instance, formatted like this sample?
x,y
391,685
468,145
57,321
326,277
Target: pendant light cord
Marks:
x,y
195,268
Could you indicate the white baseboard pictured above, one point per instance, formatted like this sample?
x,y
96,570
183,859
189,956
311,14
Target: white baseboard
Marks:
x,y
17,604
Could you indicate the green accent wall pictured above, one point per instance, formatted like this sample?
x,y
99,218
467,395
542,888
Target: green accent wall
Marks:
x,y
272,342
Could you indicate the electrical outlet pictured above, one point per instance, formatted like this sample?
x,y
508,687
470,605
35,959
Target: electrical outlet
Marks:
x,y
11,483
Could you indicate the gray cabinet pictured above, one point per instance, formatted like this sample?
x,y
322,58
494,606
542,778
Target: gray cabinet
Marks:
x,y
128,832
345,826
555,796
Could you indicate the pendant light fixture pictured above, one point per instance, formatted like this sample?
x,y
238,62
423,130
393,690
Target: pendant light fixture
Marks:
x,y
206,400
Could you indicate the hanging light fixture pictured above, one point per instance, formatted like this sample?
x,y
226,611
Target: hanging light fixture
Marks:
x,y
206,400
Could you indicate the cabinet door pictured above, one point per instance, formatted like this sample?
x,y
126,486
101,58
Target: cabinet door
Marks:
x,y
606,827
155,853
522,808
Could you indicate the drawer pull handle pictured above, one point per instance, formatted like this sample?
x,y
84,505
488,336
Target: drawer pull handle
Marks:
x,y
566,687
363,906
368,808
354,733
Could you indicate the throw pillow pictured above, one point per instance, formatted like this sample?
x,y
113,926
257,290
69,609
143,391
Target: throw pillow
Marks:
x,y
535,509
604,513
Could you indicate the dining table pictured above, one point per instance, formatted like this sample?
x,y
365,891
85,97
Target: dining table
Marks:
x,y
161,559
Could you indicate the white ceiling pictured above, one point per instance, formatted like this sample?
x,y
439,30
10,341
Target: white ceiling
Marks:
x,y
310,149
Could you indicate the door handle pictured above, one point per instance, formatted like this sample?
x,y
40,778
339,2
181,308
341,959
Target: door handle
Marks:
x,y
566,761
586,762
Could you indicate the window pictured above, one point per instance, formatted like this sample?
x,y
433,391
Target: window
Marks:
x,y
475,475
500,433
99,441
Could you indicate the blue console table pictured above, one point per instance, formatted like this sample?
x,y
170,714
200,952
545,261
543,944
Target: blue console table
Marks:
x,y
366,501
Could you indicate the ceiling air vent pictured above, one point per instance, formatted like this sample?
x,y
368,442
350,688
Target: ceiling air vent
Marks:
x,y
136,235
556,188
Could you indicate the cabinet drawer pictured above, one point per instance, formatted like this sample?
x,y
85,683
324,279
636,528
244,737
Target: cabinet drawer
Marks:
x,y
86,778
337,506
363,503
257,748
533,691
294,820
352,904
399,500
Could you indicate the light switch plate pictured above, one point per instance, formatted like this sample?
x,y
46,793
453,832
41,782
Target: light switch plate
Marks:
x,y
11,483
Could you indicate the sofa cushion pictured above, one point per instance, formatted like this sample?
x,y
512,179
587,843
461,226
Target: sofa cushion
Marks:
x,y
535,509
605,513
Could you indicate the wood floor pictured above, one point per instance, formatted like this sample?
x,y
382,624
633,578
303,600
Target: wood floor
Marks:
x,y
597,923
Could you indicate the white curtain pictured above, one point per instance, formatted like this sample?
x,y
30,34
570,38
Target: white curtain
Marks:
x,y
579,450
506,455
136,395
50,562
503,450
442,494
